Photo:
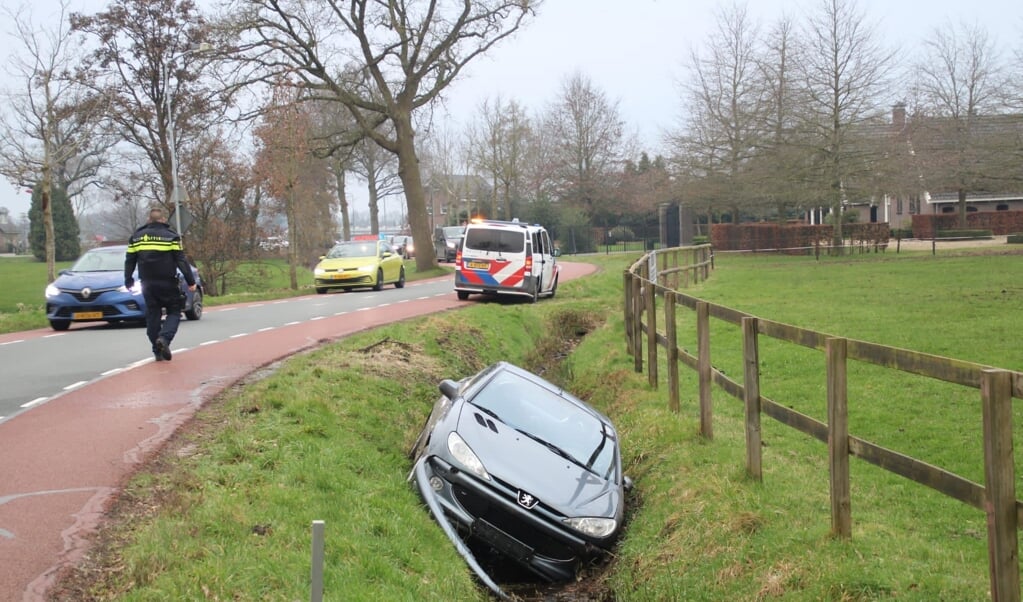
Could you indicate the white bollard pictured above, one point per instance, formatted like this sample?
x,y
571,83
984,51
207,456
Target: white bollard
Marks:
x,y
316,577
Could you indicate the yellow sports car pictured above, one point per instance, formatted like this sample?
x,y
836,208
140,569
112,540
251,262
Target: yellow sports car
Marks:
x,y
361,263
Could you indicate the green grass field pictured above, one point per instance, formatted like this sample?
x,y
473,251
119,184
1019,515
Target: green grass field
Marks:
x,y
226,511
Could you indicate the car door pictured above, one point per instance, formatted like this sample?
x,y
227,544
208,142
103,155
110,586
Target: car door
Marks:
x,y
390,261
545,259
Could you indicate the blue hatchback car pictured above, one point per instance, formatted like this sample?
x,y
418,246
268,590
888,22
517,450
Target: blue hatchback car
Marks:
x,y
93,290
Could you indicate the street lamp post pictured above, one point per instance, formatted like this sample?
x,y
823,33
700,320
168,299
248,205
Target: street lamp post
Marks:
x,y
172,137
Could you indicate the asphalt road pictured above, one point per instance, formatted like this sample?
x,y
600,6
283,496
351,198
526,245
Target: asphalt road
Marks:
x,y
39,365
83,409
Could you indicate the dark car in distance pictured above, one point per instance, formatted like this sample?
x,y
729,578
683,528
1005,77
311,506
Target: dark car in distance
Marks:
x,y
92,290
522,466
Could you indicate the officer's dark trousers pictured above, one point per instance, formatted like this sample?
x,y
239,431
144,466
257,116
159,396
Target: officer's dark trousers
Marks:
x,y
161,296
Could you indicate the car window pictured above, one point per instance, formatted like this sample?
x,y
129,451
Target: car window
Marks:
x,y
534,409
495,239
353,249
100,261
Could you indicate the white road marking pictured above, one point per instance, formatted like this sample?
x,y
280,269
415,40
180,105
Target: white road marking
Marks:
x,y
239,335
75,385
109,372
293,323
266,329
56,334
36,401
12,342
232,308
213,342
315,318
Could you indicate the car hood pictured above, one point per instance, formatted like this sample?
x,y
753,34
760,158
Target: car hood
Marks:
x,y
345,263
528,465
76,281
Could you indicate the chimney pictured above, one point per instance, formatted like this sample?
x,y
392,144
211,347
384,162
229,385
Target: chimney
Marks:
x,y
899,115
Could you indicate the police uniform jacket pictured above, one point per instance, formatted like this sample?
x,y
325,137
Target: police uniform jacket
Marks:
x,y
156,249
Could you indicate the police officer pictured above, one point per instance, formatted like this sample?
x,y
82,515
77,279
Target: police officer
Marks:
x,y
156,249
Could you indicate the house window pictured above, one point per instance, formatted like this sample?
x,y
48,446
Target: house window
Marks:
x,y
1002,207
948,209
971,208
898,205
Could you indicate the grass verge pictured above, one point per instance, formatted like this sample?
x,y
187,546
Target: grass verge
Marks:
x,y
224,512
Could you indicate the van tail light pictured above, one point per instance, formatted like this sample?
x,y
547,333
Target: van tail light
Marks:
x,y
529,264
458,259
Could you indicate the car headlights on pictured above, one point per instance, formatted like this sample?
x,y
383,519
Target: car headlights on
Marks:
x,y
461,451
51,291
594,527
319,271
367,268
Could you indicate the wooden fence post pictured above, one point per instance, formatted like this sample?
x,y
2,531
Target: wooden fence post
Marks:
x,y
1000,485
671,334
751,397
627,310
704,368
637,323
836,353
651,333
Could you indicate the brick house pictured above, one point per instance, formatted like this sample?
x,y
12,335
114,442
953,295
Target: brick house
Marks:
x,y
10,235
1006,195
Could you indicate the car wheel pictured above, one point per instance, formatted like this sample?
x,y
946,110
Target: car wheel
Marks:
x,y
379,285
60,324
536,292
462,295
554,289
401,278
195,312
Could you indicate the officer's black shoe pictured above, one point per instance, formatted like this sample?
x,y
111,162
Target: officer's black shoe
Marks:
x,y
163,349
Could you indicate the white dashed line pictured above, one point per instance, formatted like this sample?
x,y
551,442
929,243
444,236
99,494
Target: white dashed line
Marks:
x,y
365,309
56,334
11,343
239,335
315,318
229,309
293,323
213,342
109,372
266,329
36,401
341,313
75,385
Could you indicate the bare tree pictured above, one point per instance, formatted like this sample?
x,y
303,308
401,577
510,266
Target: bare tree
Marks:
x,y
590,145
497,144
408,51
445,165
148,66
726,107
960,85
379,168
844,72
49,137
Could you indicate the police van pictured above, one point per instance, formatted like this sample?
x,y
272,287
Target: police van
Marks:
x,y
506,258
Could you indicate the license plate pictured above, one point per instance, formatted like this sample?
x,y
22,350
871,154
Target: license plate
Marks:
x,y
339,276
477,265
87,315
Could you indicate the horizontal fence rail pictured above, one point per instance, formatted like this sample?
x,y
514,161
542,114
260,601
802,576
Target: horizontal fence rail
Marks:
x,y
663,272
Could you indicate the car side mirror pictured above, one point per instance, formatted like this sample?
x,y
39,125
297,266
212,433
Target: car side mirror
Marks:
x,y
449,388
627,483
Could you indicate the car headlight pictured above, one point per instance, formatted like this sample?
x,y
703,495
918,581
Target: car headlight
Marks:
x,y
461,451
367,268
319,271
51,291
594,527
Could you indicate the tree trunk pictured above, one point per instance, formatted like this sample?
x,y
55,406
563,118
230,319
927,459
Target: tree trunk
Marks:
x,y
415,194
289,211
342,201
962,209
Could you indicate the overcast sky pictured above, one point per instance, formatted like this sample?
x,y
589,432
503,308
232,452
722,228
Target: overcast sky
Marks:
x,y
635,51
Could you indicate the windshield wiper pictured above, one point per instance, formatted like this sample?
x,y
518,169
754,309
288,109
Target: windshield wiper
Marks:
x,y
554,448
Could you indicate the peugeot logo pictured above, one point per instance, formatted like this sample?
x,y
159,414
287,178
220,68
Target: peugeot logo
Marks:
x,y
86,292
527,501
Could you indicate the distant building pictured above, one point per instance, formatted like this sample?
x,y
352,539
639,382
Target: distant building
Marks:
x,y
449,196
11,237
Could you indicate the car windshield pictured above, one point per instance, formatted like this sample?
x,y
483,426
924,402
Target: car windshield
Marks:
x,y
547,417
100,260
353,249
453,231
